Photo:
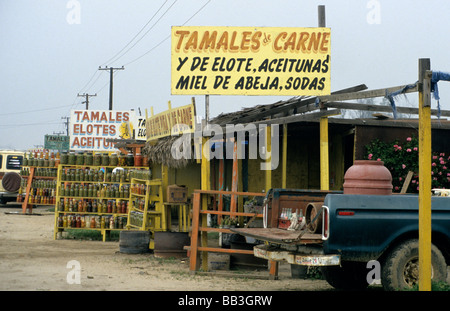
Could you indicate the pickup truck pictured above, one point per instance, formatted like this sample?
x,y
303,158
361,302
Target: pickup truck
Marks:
x,y
358,233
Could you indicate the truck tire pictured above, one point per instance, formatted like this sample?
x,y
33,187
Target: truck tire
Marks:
x,y
349,276
400,270
11,181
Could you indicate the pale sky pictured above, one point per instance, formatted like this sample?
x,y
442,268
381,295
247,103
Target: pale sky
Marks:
x,y
49,55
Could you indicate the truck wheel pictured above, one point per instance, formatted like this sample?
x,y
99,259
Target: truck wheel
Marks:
x,y
401,267
349,276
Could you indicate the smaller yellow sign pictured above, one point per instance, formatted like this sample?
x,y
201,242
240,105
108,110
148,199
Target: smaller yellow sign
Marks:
x,y
171,122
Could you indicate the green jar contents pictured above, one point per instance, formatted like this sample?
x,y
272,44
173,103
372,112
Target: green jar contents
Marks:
x,y
72,159
122,160
79,158
64,159
89,159
105,159
130,159
97,159
113,160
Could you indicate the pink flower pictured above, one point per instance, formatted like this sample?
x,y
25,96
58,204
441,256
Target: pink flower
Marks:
x,y
399,147
442,162
444,167
413,181
400,179
370,156
434,157
433,164
408,139
415,149
378,159
442,154
408,150
403,166
396,188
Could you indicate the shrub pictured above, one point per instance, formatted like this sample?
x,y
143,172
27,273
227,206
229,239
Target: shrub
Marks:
x,y
400,157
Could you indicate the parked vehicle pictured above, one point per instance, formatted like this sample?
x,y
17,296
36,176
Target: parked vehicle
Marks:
x,y
356,230
10,179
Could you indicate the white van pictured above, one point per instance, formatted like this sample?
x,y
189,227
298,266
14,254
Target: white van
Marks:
x,y
10,179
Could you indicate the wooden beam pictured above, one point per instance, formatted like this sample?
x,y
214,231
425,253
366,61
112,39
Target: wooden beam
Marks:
x,y
365,94
381,108
292,104
284,159
268,179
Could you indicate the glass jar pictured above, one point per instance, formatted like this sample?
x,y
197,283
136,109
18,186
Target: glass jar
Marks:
x,y
97,159
138,159
122,160
113,160
71,159
79,158
64,159
89,159
105,159
130,159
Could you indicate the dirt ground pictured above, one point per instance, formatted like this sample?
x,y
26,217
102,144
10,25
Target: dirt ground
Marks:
x,y
31,260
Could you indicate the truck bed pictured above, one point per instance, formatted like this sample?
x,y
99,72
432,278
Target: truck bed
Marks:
x,y
281,236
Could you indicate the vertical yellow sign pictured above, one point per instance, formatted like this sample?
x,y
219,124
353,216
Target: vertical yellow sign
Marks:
x,y
250,61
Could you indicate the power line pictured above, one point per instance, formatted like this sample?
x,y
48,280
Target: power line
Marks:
x,y
166,38
37,110
113,58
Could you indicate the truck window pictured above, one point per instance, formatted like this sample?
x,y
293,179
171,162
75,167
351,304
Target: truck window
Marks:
x,y
13,162
1,161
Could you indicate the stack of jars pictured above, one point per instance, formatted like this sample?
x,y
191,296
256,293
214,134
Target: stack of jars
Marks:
x,y
94,175
103,159
94,190
91,221
41,159
41,192
102,206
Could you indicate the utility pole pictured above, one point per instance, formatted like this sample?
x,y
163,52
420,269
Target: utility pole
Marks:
x,y
87,99
111,72
67,124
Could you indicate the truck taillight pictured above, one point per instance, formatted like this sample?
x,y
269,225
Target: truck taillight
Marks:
x,y
325,223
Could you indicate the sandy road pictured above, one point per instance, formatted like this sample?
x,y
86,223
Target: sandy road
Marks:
x,y
30,260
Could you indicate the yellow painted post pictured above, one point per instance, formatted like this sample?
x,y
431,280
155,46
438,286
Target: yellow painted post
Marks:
x,y
284,159
205,172
268,161
273,265
324,163
164,185
424,176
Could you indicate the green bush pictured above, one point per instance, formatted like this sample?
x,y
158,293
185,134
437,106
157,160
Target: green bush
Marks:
x,y
400,157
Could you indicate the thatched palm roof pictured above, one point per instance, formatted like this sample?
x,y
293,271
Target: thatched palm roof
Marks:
x,y
160,152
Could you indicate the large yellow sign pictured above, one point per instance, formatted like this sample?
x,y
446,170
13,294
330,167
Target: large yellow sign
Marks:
x,y
250,61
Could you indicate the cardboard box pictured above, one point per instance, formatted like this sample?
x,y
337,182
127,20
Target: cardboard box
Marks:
x,y
176,194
